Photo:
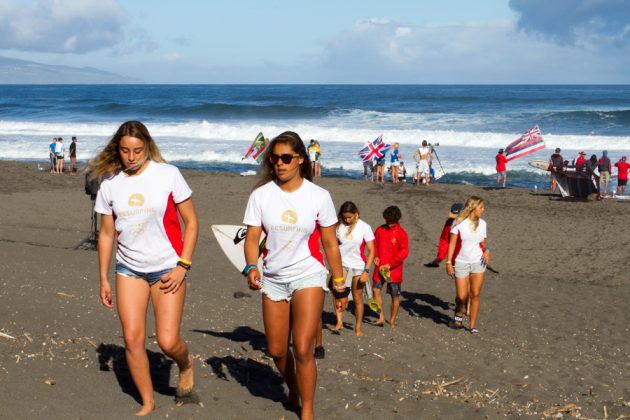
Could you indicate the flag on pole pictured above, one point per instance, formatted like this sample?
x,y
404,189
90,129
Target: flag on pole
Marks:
x,y
374,149
257,147
528,143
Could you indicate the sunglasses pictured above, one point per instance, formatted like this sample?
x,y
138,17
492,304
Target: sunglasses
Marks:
x,y
285,158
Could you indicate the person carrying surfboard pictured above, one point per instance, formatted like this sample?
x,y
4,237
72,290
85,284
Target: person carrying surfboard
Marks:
x,y
140,200
471,261
295,213
354,236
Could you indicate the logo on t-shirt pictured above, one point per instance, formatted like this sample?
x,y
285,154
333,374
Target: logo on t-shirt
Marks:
x,y
136,200
289,216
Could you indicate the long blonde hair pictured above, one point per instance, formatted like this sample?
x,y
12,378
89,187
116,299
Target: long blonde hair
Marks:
x,y
348,207
471,204
107,163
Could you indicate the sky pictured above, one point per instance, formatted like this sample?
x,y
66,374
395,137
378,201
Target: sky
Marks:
x,y
328,41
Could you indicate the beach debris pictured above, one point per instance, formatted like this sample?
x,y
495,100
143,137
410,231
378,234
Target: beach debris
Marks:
x,y
238,295
50,381
561,409
379,356
67,295
28,337
3,335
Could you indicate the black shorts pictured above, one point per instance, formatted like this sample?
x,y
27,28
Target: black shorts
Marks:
x,y
622,182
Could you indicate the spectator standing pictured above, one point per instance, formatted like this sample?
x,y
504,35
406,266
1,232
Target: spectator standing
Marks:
x,y
59,154
622,175
73,156
605,169
52,155
556,164
501,167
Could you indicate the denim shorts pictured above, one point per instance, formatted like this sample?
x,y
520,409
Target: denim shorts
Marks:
x,y
463,270
151,278
277,291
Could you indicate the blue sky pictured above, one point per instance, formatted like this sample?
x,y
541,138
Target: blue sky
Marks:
x,y
341,41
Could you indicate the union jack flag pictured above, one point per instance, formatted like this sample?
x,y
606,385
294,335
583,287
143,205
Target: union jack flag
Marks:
x,y
528,143
374,149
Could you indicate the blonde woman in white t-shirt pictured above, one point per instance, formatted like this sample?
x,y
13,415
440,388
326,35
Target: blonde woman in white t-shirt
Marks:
x,y
140,200
354,236
471,261
295,214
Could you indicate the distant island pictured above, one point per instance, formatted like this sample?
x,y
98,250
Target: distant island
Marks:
x,y
14,71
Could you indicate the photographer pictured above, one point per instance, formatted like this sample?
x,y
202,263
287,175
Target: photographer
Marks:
x,y
423,162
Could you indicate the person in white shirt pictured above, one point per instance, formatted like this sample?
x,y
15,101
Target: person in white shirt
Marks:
x,y
423,163
472,259
140,199
354,236
60,152
294,213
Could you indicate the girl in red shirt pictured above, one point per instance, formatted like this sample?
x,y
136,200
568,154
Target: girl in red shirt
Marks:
x,y
391,248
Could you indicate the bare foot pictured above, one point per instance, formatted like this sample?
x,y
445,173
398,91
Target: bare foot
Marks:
x,y
392,325
359,333
186,379
146,409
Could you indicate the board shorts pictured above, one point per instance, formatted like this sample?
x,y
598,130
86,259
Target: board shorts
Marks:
x,y
605,175
622,182
151,278
423,167
59,156
502,173
393,289
277,291
463,270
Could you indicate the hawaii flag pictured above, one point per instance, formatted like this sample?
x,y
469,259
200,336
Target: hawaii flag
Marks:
x,y
375,149
528,143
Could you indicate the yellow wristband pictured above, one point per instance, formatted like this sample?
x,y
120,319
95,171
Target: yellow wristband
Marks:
x,y
185,261
449,263
339,280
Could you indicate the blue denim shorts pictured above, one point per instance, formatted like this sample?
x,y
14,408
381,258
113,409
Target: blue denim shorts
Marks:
x,y
151,278
277,291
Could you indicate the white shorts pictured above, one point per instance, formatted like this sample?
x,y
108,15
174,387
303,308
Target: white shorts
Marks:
x,y
277,291
397,163
423,167
463,270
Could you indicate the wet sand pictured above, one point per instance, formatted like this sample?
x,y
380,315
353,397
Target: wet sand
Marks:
x,y
553,322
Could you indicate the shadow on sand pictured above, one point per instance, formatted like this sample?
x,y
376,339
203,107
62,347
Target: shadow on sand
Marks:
x,y
426,306
111,357
260,379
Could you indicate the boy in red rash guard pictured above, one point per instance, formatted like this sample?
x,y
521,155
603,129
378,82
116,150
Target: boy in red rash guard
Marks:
x,y
501,167
445,236
391,248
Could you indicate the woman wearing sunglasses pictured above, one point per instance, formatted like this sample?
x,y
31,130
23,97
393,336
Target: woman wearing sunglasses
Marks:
x,y
294,214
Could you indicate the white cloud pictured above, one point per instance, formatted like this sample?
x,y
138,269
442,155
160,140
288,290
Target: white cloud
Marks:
x,y
63,26
382,51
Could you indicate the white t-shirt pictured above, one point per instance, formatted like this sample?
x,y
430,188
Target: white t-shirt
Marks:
x,y
471,251
290,220
352,246
145,216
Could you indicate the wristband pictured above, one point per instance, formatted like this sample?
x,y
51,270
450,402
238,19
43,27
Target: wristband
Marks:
x,y
339,280
183,265
366,270
449,263
185,261
248,268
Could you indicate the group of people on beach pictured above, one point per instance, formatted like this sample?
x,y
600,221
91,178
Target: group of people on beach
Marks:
x,y
423,174
141,198
602,166
57,154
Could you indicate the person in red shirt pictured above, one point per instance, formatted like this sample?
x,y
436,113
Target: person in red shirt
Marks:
x,y
580,161
445,236
391,248
622,174
501,167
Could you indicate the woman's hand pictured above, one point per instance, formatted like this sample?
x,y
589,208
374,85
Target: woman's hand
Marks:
x,y
253,279
172,281
449,269
486,257
364,278
106,294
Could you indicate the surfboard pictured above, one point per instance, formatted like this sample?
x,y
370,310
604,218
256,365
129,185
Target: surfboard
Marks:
x,y
231,239
539,164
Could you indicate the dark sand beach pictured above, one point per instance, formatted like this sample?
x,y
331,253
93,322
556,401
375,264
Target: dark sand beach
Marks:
x,y
554,322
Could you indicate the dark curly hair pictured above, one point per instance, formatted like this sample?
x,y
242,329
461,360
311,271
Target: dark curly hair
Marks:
x,y
392,214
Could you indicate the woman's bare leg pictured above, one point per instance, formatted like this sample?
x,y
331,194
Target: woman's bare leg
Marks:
x,y
168,309
476,282
276,318
132,300
306,308
357,295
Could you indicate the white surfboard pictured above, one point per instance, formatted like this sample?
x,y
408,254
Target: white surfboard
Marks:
x,y
231,239
539,164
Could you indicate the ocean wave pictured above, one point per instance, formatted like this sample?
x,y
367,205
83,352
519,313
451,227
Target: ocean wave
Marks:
x,y
205,131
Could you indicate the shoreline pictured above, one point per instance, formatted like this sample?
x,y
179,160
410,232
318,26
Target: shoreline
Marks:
x,y
553,322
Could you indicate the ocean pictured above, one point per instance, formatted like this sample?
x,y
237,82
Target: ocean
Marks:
x,y
209,127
